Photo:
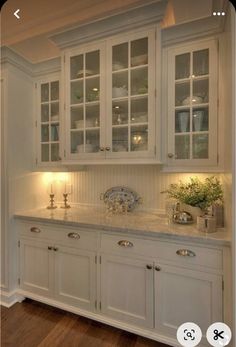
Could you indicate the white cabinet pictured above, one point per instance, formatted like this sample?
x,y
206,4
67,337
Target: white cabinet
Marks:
x,y
184,295
48,121
192,104
138,283
75,274
63,273
110,99
36,267
127,290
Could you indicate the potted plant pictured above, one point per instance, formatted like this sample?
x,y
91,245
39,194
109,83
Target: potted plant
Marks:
x,y
197,194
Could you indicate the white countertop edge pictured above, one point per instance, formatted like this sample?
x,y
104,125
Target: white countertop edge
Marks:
x,y
207,239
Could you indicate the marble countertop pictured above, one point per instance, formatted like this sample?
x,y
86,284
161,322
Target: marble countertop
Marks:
x,y
140,222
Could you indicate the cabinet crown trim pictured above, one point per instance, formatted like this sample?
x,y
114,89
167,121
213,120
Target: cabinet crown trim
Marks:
x,y
193,30
130,19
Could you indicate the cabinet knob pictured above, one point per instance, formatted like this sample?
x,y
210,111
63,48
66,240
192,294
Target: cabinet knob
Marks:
x,y
125,243
49,248
108,149
55,249
102,149
157,268
35,230
149,266
170,155
74,235
185,253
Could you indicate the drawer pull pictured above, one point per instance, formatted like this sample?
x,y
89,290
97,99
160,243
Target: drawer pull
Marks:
x,y
185,253
35,230
149,266
125,243
157,268
55,249
49,248
74,235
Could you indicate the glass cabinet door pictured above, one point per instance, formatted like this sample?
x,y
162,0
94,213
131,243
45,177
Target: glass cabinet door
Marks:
x,y
194,101
84,103
130,99
49,121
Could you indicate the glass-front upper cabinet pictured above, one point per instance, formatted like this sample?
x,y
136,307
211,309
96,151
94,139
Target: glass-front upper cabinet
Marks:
x,y
130,97
48,122
84,95
192,104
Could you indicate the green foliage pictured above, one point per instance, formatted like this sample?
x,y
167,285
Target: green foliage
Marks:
x,y
197,193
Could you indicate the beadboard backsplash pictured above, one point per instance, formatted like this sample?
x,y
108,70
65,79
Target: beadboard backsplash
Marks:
x,y
147,181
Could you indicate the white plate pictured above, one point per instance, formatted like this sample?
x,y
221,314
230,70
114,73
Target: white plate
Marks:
x,y
123,194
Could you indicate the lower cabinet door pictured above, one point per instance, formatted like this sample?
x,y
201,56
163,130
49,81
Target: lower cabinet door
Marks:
x,y
36,267
127,290
75,282
183,295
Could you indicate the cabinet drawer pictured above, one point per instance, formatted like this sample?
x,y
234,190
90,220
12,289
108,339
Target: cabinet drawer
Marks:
x,y
179,253
72,237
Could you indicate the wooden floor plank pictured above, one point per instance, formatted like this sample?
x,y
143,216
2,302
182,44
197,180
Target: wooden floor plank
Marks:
x,y
31,324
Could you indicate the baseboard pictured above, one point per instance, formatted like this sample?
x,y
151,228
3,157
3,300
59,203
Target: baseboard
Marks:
x,y
101,318
8,299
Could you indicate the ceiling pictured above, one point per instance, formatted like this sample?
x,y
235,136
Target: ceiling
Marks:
x,y
28,36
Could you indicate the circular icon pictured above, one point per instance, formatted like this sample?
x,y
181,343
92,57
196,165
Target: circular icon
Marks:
x,y
218,334
189,334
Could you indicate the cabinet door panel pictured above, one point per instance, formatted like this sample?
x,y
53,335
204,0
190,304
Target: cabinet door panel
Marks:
x,y
84,93
192,105
127,290
130,97
36,264
183,295
48,122
75,277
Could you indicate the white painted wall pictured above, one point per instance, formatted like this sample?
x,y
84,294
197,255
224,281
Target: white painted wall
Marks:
x,y
147,180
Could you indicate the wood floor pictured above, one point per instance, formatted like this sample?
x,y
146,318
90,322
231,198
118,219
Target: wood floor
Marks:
x,y
31,324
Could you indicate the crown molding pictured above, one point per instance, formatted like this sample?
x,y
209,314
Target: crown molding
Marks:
x,y
111,25
8,56
197,29
46,67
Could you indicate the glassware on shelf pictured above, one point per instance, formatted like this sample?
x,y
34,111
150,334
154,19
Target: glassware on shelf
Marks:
x,y
200,119
139,138
182,121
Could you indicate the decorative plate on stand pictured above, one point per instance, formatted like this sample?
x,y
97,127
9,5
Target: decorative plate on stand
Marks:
x,y
123,194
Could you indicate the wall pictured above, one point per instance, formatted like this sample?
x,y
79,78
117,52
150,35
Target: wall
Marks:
x,y
147,180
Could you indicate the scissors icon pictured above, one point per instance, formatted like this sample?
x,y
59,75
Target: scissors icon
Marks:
x,y
217,334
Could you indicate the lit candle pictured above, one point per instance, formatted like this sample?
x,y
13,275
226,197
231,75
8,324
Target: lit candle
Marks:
x,y
50,188
67,188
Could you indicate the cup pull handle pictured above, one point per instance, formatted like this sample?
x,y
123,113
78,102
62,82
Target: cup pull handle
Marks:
x,y
74,236
35,230
125,243
185,253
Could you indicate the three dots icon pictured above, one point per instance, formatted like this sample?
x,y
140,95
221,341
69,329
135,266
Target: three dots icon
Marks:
x,y
218,13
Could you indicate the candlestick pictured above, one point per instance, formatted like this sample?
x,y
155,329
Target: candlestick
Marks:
x,y
51,206
66,205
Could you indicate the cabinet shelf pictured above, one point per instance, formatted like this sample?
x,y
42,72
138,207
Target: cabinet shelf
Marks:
x,y
84,78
